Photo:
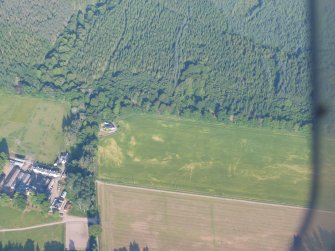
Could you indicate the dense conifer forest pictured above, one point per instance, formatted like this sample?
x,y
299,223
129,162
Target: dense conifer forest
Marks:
x,y
225,60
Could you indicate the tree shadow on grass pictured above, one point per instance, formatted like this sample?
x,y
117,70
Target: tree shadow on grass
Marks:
x,y
4,147
133,246
13,246
53,246
30,246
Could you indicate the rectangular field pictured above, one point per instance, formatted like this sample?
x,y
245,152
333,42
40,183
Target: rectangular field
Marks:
x,y
210,158
40,236
171,221
32,126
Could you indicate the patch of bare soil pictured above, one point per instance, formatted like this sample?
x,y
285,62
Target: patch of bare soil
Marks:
x,y
76,236
111,153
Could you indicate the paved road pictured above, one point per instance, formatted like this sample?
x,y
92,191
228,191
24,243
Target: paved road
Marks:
x,y
66,219
207,196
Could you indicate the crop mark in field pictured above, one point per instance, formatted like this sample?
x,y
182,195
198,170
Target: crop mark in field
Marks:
x,y
132,141
297,168
236,165
123,124
132,155
111,152
265,177
196,165
233,167
153,179
294,157
169,156
165,125
157,138
243,143
267,159
204,130
153,161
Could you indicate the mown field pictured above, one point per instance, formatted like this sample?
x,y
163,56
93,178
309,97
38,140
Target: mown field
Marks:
x,y
169,221
40,236
210,158
13,218
32,126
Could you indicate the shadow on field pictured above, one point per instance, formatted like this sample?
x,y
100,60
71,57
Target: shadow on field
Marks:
x,y
71,245
320,239
4,146
30,246
53,246
133,246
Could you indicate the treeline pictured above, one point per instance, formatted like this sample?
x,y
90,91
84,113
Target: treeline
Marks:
x,y
133,246
184,59
80,132
30,245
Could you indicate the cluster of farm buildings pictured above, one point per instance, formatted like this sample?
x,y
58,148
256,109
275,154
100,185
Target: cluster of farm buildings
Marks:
x,y
25,176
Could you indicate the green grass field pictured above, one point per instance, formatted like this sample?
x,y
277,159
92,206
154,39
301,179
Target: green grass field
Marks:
x,y
211,158
12,218
40,236
32,126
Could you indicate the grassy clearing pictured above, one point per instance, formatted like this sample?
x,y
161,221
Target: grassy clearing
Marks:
x,y
32,126
40,235
12,218
209,158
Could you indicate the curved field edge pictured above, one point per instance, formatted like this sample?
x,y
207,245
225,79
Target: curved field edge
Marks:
x,y
214,159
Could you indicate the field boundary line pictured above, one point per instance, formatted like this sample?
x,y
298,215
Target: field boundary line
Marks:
x,y
171,117
31,227
64,221
158,190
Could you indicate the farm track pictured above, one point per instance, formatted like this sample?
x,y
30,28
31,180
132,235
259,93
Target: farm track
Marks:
x,y
67,219
206,196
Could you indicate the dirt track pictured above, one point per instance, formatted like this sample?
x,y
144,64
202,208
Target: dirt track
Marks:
x,y
76,234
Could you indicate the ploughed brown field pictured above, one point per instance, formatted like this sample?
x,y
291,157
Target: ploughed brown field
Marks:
x,y
175,221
